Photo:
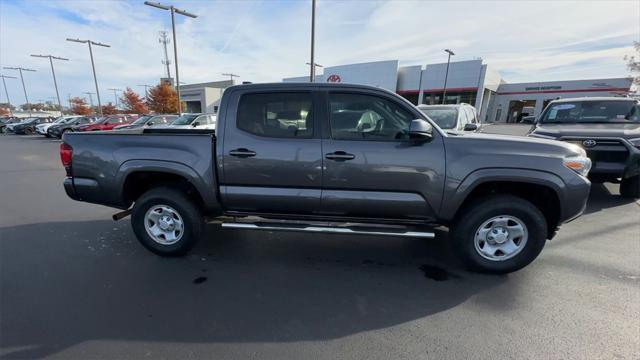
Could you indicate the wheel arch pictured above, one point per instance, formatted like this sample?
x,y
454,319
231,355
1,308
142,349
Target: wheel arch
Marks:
x,y
135,177
545,190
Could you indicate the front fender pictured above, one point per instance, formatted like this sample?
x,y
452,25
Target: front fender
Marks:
x,y
457,191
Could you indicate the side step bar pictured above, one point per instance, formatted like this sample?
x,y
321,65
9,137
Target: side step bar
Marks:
x,y
329,229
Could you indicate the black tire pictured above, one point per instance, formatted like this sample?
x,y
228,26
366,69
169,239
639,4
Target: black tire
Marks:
x,y
28,131
189,212
630,187
483,209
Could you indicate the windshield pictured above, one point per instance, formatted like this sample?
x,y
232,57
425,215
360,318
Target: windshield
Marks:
x,y
592,112
141,120
184,120
446,118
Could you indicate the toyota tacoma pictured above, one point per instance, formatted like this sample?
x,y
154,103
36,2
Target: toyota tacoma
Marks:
x,y
332,158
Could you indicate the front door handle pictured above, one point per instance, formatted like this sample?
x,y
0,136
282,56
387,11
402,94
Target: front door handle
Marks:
x,y
340,156
242,153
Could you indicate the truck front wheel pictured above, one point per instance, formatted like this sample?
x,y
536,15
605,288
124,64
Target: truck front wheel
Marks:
x,y
630,187
499,234
166,221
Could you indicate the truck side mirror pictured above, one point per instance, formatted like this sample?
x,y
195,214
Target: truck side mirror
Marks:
x,y
420,131
470,127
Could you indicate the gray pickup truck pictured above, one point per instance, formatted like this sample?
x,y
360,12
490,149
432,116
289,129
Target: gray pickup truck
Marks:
x,y
333,158
607,128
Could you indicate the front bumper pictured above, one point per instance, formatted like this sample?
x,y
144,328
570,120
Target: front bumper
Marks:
x,y
610,157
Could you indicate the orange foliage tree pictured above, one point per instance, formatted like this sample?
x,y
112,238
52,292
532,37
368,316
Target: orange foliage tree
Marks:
x,y
79,106
163,99
132,103
109,109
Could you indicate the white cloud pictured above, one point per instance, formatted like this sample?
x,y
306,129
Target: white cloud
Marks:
x,y
269,40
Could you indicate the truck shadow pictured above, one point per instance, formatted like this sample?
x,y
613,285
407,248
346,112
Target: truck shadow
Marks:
x,y
602,197
67,283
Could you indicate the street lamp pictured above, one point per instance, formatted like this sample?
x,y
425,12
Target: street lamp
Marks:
x,y
55,83
21,69
446,74
312,71
115,95
231,76
146,91
93,67
5,90
90,99
175,43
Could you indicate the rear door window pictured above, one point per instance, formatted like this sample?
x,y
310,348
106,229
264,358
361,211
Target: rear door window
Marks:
x,y
281,115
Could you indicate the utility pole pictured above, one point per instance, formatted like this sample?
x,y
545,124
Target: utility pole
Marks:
x,y
55,83
312,74
91,99
95,79
446,75
5,90
175,42
115,95
21,69
164,40
146,90
231,76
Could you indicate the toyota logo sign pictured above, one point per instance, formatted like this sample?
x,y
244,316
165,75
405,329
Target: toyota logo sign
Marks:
x,y
589,143
334,78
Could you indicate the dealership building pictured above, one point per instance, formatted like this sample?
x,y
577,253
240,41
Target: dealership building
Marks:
x,y
471,82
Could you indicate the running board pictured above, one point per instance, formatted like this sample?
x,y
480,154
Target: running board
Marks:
x,y
328,229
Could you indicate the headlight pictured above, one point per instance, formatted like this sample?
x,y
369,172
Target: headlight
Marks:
x,y
635,142
579,164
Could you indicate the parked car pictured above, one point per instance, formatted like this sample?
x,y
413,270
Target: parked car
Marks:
x,y
459,117
6,121
42,128
195,121
264,169
107,123
57,130
607,128
148,121
28,126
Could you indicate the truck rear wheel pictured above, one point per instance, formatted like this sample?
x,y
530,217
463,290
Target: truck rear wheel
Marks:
x,y
630,187
499,234
166,221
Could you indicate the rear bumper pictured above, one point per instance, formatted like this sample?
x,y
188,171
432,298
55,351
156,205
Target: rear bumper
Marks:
x,y
69,189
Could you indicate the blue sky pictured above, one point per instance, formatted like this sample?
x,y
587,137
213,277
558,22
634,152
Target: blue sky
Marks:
x,y
266,40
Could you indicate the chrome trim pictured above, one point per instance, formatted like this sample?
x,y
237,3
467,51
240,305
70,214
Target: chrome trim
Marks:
x,y
325,229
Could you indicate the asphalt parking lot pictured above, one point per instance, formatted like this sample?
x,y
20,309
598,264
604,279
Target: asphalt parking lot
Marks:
x,y
75,284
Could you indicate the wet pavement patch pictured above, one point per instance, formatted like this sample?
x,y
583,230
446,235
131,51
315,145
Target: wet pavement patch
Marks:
x,y
436,273
200,280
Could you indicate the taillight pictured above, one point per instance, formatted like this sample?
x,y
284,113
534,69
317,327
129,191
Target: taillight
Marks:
x,y
66,152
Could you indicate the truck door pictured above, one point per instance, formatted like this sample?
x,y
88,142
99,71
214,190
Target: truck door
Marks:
x,y
371,169
272,158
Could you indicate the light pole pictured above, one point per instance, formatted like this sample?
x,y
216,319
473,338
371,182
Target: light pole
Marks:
x,y
230,75
5,90
115,95
91,99
55,83
312,71
20,69
446,74
95,79
146,91
175,43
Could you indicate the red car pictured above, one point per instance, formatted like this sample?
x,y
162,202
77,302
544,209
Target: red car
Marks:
x,y
107,123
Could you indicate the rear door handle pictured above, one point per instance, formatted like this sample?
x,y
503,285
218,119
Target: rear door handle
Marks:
x,y
242,153
340,156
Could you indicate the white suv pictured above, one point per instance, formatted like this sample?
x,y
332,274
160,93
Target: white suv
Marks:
x,y
458,117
